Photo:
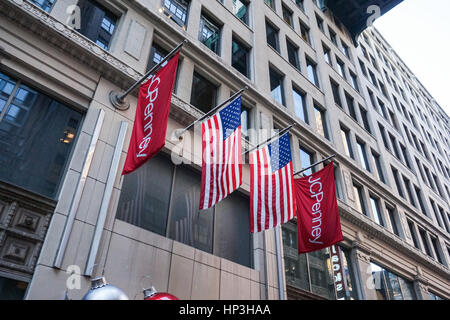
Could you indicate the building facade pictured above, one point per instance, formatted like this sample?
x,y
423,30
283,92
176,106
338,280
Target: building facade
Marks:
x,y
67,215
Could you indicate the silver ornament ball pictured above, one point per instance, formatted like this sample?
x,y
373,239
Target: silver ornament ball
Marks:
x,y
101,290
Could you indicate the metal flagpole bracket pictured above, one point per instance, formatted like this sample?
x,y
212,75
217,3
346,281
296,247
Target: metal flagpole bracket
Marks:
x,y
118,99
117,102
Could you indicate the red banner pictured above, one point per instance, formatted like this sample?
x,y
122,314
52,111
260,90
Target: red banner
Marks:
x,y
318,220
152,113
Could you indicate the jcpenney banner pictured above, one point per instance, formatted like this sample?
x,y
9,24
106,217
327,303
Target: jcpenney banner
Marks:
x,y
152,112
318,220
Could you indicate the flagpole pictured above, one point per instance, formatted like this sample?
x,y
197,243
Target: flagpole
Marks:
x,y
182,131
268,140
118,100
315,164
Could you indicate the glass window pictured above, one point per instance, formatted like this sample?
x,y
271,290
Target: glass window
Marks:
x,y
11,289
245,121
300,107
209,34
365,119
320,23
394,146
203,93
36,137
423,236
354,80
177,10
327,55
409,191
377,216
312,72
270,3
379,171
98,23
45,5
232,239
240,58
346,140
156,55
187,224
397,182
293,54
307,159
412,231
145,196
362,154
287,16
351,106
276,86
336,93
240,10
272,36
359,199
321,277
304,32
321,123
333,36
392,217
341,68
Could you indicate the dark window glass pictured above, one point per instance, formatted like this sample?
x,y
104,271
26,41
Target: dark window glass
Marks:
x,y
245,120
232,240
346,140
351,106
394,146
436,248
409,191
287,16
156,55
397,182
319,114
412,231
270,3
363,154
423,236
304,32
272,36
45,5
333,36
307,159
376,159
419,199
336,93
177,10
365,118
383,136
300,105
98,23
187,224
354,80
240,10
326,55
276,86
359,199
209,34
293,54
321,279
320,23
341,68
391,213
312,72
240,57
203,93
377,216
11,289
145,196
36,137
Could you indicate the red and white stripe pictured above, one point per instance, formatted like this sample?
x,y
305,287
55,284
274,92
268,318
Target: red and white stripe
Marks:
x,y
221,165
272,200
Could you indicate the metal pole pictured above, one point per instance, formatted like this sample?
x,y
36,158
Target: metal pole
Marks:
x,y
315,164
268,140
182,131
117,100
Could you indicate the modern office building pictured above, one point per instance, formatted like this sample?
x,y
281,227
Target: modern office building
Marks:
x,y
68,216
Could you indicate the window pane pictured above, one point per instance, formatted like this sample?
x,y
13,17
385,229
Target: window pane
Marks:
x,y
312,72
393,286
379,284
209,34
363,155
232,239
376,211
272,36
321,280
321,122
293,54
177,10
240,10
145,196
296,265
45,5
12,289
300,105
276,86
240,58
306,159
203,94
36,138
187,224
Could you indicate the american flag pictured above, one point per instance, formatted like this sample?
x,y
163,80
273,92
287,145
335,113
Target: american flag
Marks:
x,y
222,159
272,200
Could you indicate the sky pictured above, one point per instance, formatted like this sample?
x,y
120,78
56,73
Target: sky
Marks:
x,y
419,31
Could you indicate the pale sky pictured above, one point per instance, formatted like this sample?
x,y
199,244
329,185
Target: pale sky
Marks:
x,y
419,31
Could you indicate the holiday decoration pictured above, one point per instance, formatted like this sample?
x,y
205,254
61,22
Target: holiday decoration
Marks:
x,y
152,294
101,290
